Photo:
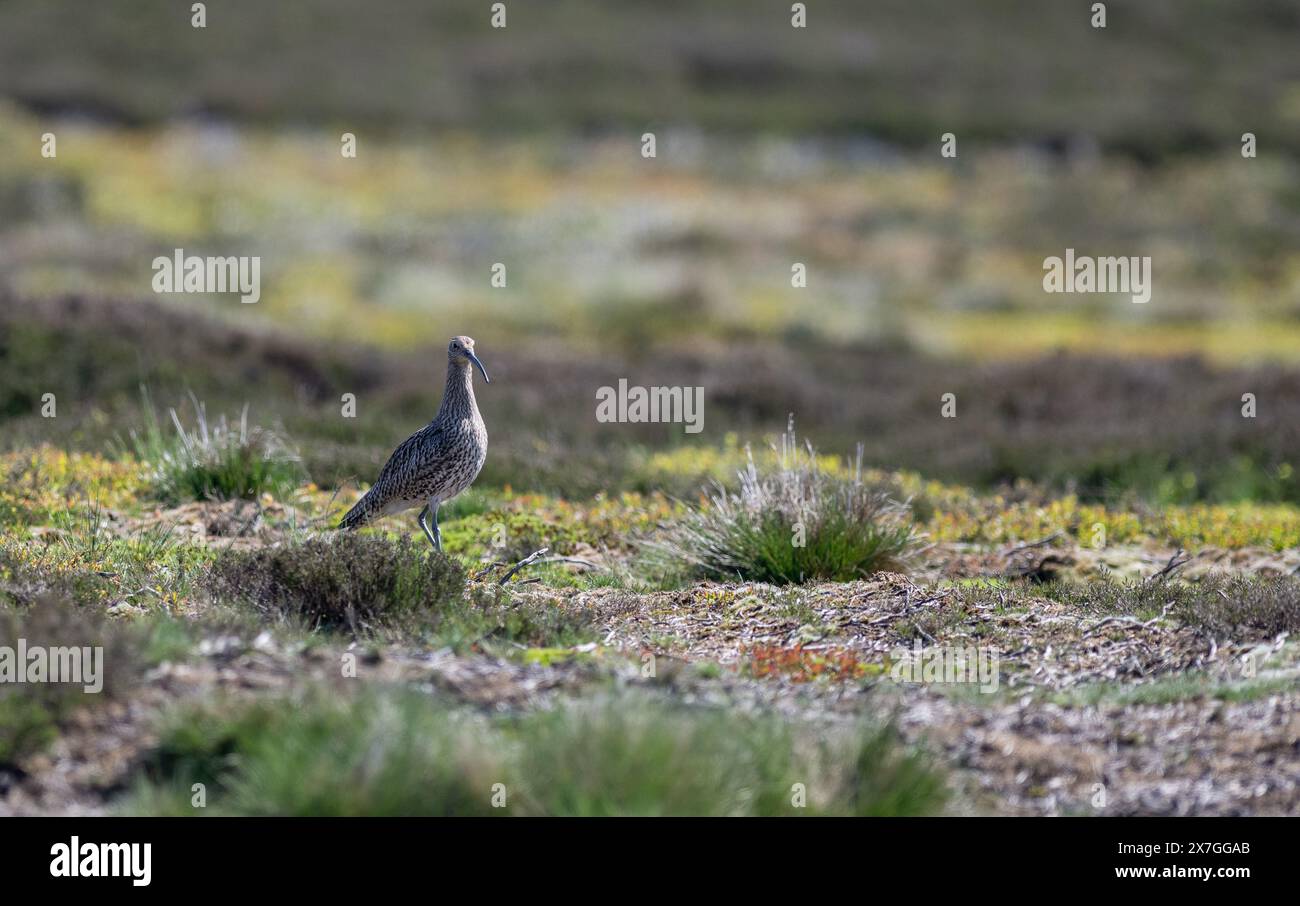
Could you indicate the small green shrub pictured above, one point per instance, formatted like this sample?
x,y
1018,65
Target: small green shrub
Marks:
x,y
343,580
217,461
794,523
1241,605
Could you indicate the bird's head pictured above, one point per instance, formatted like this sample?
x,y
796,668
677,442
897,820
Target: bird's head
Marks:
x,y
461,351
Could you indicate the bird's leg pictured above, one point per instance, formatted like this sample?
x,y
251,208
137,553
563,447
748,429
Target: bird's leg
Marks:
x,y
437,532
435,540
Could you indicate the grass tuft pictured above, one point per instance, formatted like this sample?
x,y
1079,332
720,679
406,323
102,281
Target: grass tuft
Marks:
x,y
792,522
213,461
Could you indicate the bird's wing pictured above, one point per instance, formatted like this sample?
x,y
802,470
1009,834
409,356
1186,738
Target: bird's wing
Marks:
x,y
403,466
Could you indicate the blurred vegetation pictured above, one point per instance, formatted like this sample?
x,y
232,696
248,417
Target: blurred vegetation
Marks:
x,y
397,752
902,70
33,713
621,255
776,146
1167,431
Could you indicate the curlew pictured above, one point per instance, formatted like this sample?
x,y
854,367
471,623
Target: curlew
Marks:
x,y
437,462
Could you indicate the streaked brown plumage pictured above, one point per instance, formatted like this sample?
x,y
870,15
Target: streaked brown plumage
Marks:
x,y
437,462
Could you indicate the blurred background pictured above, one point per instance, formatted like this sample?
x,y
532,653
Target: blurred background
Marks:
x,y
775,145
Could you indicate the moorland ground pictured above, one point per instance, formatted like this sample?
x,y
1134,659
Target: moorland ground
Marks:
x,y
1101,518
1140,618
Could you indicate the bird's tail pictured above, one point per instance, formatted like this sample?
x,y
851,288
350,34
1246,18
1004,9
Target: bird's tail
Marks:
x,y
360,514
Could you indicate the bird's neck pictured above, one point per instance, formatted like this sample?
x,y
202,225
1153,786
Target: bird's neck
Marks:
x,y
458,396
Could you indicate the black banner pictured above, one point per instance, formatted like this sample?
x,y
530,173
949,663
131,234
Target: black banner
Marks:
x,y
297,855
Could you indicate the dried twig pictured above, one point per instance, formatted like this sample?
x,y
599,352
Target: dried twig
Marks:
x,y
1145,624
576,560
527,561
1173,564
482,573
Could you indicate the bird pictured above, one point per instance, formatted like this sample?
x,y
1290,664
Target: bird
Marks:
x,y
437,462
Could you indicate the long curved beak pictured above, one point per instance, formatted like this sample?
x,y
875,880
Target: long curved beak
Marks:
x,y
473,358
